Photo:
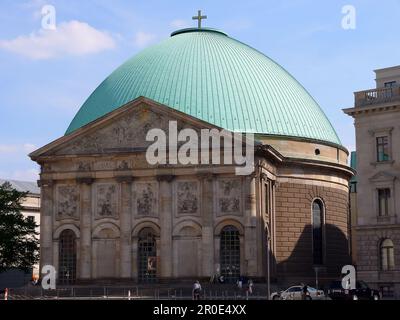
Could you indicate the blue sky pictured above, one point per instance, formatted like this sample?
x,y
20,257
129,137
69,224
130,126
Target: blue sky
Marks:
x,y
47,75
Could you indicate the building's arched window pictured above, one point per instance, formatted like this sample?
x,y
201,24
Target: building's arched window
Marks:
x,y
318,232
387,255
230,253
67,257
147,256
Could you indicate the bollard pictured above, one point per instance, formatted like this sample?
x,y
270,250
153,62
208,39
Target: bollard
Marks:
x,y
6,294
129,294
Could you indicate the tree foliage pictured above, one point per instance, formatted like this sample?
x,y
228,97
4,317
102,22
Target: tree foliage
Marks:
x,y
18,242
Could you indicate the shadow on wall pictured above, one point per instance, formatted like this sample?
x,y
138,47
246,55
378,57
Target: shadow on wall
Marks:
x,y
300,267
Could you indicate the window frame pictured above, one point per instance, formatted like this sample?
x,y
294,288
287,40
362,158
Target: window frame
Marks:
x,y
387,198
389,250
380,155
323,236
379,133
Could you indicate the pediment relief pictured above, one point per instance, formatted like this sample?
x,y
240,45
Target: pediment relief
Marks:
x,y
382,177
125,133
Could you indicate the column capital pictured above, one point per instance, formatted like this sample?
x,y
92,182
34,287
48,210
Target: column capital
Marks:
x,y
45,183
254,175
85,180
165,177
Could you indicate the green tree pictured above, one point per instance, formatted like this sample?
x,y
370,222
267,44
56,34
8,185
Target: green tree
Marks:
x,y
18,242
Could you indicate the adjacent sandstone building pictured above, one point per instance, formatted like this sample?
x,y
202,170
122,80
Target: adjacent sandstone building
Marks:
x,y
107,213
377,123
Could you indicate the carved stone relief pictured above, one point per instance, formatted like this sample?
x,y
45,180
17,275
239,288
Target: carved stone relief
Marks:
x,y
127,133
146,199
83,166
187,198
229,196
124,165
106,200
67,202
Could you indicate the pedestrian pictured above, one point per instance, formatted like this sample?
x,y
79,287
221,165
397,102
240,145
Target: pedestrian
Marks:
x,y
196,290
305,292
250,285
240,283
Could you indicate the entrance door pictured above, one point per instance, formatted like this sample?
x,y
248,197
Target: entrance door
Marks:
x,y
230,254
187,258
67,257
147,256
106,255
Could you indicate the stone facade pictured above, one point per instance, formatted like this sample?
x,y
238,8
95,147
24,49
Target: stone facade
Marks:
x,y
294,228
377,119
134,221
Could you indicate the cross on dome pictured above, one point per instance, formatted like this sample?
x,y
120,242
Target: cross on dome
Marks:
x,y
199,17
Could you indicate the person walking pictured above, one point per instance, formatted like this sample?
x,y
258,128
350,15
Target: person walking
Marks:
x,y
305,293
196,290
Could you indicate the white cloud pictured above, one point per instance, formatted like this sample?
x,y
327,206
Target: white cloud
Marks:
x,y
143,39
70,38
179,23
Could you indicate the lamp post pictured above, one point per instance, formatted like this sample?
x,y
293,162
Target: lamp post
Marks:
x,y
268,271
268,263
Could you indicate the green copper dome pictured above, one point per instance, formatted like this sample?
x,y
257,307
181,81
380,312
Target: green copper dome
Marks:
x,y
210,76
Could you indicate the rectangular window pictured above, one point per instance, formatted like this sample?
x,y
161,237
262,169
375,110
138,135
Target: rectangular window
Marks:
x,y
383,199
267,198
382,149
390,84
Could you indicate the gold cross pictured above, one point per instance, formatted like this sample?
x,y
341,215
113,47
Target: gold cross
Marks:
x,y
199,17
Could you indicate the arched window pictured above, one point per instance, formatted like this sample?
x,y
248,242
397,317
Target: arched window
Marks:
x,y
387,255
317,232
67,257
147,256
230,253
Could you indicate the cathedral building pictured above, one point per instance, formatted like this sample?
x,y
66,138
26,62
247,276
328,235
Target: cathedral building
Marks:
x,y
108,213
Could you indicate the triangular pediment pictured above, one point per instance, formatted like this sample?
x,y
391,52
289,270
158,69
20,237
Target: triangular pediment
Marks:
x,y
383,176
123,130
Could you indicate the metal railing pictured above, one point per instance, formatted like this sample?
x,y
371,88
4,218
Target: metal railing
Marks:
x,y
128,293
377,96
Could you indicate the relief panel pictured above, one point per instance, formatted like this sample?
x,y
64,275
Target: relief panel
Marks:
x,y
146,195
187,198
106,197
229,197
67,202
